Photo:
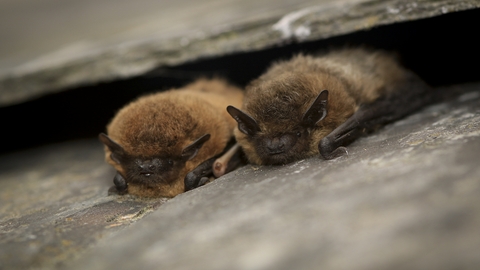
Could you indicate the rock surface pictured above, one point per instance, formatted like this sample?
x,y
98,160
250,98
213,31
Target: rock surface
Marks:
x,y
406,197
90,46
53,204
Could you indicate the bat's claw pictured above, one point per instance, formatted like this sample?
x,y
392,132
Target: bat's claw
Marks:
x,y
339,152
120,183
193,181
114,191
197,177
203,181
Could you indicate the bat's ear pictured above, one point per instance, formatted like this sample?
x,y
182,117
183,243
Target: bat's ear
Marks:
x,y
246,124
117,149
191,150
317,110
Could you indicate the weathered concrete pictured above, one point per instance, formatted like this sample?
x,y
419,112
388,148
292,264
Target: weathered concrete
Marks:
x,y
406,197
122,45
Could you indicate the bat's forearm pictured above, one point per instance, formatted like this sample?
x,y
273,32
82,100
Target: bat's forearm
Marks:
x,y
227,161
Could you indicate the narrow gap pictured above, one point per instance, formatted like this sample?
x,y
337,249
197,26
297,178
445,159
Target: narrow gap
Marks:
x,y
443,50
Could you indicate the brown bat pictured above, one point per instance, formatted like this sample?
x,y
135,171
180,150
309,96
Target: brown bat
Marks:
x,y
318,104
155,141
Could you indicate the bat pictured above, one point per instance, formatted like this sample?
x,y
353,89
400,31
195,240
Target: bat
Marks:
x,y
227,161
318,104
166,143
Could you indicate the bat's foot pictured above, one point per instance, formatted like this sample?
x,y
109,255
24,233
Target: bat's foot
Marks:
x,y
339,152
193,180
327,149
120,184
203,181
199,175
114,191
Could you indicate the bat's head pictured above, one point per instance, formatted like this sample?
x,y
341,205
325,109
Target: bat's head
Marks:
x,y
155,174
272,137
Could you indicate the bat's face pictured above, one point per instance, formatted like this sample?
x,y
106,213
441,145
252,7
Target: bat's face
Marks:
x,y
280,148
273,146
152,171
158,175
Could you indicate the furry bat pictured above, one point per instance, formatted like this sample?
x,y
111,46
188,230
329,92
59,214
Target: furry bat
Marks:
x,y
318,104
155,141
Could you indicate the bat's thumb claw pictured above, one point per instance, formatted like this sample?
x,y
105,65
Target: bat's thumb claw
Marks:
x,y
191,181
339,152
113,190
203,181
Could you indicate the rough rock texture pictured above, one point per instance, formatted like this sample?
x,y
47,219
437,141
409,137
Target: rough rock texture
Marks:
x,y
54,204
227,30
406,197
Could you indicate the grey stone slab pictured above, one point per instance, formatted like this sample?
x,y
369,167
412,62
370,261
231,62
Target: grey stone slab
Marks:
x,y
54,204
406,197
102,36
131,40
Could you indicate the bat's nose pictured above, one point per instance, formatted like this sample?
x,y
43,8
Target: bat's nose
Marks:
x,y
280,144
275,146
147,167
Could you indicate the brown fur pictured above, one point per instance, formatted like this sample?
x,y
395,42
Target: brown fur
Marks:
x,y
278,98
162,124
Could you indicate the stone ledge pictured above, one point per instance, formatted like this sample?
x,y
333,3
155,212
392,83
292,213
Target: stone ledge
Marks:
x,y
63,70
405,198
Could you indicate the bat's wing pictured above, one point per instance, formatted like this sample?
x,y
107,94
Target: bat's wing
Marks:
x,y
230,158
120,186
405,98
228,161
197,177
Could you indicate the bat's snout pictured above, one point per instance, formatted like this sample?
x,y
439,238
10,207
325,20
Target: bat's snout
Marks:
x,y
148,167
276,149
279,145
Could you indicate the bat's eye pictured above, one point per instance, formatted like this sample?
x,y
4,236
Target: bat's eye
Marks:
x,y
299,134
170,162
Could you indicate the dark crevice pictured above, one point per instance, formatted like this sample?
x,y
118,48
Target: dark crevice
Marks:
x,y
443,50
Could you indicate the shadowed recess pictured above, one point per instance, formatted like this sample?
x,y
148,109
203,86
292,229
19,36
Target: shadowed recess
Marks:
x,y
439,49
